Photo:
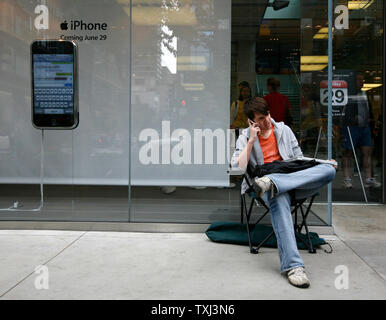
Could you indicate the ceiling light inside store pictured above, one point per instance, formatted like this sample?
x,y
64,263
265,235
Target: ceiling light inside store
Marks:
x,y
325,30
313,63
191,63
313,59
321,36
190,67
323,33
151,16
312,67
359,4
193,86
369,86
191,59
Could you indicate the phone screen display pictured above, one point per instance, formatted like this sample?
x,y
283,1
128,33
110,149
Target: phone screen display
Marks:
x,y
53,80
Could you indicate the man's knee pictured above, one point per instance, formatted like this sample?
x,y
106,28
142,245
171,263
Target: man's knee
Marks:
x,y
330,172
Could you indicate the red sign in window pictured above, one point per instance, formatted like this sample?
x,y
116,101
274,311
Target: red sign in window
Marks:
x,y
339,93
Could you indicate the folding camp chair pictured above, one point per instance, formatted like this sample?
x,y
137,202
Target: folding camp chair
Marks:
x,y
296,204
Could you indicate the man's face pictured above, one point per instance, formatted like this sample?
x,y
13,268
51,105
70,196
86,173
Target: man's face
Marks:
x,y
263,121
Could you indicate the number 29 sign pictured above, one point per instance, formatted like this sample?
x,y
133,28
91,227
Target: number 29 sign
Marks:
x,y
339,93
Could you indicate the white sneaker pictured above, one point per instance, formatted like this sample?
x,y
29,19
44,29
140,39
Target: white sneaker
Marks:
x,y
298,278
262,185
371,182
347,183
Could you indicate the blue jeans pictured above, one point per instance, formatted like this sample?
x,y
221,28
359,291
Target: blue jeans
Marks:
x,y
305,183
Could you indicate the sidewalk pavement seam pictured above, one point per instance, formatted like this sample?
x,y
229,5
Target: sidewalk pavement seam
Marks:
x,y
347,245
43,264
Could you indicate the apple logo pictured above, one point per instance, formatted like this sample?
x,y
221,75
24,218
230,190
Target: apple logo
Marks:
x,y
64,25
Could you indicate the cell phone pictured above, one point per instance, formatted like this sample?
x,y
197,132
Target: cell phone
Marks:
x,y
253,124
54,86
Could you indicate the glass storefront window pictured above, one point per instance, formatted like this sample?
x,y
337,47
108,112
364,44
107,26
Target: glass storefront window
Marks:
x,y
85,170
357,94
359,58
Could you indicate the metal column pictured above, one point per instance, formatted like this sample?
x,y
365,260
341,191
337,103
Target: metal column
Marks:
x,y
329,130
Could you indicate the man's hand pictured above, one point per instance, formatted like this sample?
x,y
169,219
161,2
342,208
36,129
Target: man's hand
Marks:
x,y
254,130
243,158
336,167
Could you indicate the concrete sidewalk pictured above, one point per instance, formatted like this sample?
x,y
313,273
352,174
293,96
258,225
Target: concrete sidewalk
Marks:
x,y
363,229
118,265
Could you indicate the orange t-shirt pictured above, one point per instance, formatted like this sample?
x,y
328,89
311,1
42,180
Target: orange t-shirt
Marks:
x,y
269,148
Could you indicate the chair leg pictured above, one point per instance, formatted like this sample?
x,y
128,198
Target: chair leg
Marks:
x,y
247,216
298,228
242,209
311,249
296,218
304,222
306,215
264,241
255,250
261,218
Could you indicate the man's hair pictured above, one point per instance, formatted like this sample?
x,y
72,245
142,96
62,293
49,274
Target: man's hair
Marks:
x,y
255,105
273,83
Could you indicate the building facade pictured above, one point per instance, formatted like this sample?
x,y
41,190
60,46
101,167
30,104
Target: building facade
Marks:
x,y
156,87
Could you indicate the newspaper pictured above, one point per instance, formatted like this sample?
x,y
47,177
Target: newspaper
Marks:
x,y
331,162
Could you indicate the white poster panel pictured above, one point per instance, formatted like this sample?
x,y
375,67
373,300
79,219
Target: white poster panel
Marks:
x,y
180,92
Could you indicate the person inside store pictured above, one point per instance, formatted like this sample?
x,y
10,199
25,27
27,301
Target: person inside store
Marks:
x,y
264,141
358,122
311,120
238,119
278,104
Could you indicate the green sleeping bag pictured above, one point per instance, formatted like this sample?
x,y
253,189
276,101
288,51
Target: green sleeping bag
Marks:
x,y
236,233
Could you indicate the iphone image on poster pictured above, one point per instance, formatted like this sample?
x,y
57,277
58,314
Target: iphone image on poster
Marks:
x,y
54,84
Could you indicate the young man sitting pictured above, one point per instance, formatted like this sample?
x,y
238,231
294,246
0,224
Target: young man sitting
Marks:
x,y
266,141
